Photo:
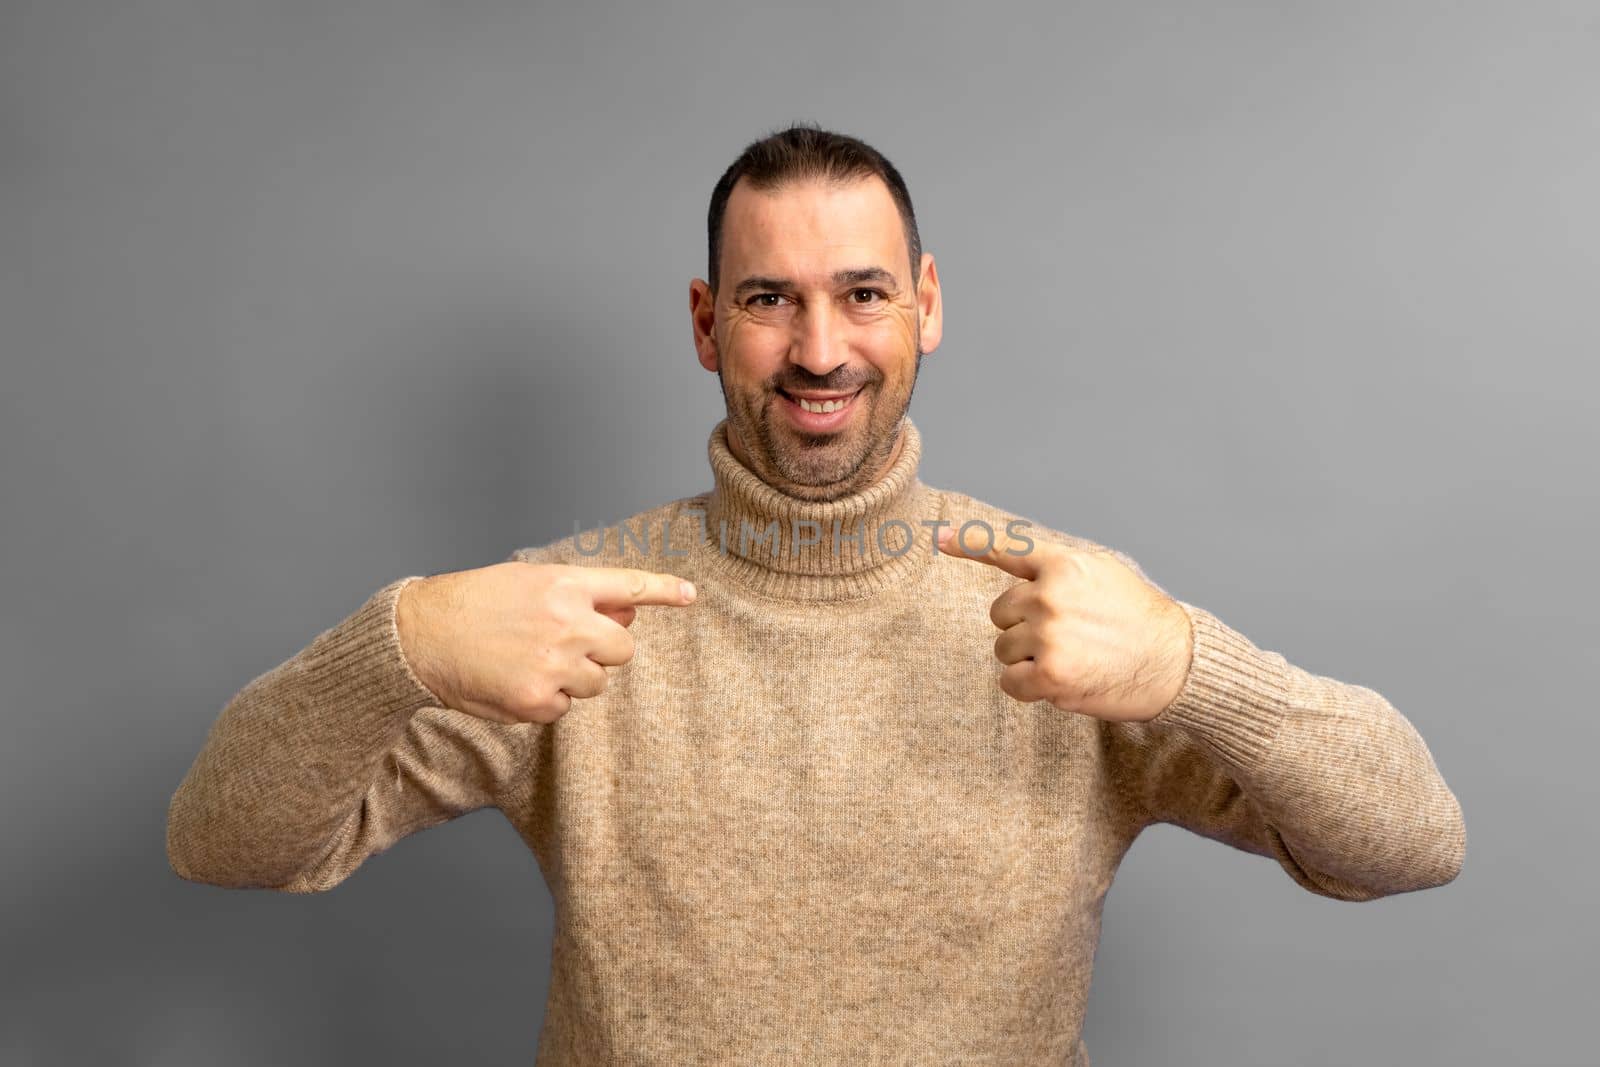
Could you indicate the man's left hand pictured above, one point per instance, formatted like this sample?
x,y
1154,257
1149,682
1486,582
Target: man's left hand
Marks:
x,y
1083,631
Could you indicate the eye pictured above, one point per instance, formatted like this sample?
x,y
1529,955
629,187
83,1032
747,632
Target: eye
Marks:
x,y
765,300
871,292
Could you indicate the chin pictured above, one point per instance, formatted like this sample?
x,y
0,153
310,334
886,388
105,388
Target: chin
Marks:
x,y
835,479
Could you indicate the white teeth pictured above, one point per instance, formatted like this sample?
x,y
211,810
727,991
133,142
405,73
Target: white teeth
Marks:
x,y
821,407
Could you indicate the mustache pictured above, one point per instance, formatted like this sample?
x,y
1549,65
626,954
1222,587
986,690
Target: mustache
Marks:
x,y
828,383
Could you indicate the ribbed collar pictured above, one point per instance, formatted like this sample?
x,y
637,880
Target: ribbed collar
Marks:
x,y
882,539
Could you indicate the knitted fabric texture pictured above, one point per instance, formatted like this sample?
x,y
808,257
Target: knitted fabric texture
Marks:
x,y
804,824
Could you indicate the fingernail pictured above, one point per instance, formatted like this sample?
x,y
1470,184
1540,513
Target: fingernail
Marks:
x,y
688,590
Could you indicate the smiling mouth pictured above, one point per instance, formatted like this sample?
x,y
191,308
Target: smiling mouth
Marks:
x,y
819,417
821,405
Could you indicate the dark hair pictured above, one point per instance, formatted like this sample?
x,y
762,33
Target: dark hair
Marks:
x,y
807,151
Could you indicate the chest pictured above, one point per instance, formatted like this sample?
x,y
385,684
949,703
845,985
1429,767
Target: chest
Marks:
x,y
865,772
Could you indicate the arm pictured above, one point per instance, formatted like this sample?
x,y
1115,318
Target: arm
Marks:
x,y
1325,777
332,757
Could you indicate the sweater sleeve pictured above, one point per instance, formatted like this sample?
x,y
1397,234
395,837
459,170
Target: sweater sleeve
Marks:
x,y
1324,777
331,757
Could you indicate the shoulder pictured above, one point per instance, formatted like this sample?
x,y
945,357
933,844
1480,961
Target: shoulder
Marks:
x,y
979,517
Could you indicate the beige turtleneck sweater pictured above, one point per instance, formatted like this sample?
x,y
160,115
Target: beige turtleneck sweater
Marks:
x,y
804,824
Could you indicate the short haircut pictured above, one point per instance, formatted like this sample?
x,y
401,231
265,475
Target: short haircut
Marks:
x,y
801,152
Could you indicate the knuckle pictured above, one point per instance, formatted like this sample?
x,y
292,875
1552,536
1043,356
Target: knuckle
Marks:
x,y
556,706
541,687
552,709
561,606
585,679
1052,671
1048,554
535,715
612,645
533,700
571,587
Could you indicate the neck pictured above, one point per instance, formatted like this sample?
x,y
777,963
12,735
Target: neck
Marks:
x,y
849,547
736,446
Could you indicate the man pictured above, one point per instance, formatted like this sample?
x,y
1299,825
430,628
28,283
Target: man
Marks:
x,y
856,792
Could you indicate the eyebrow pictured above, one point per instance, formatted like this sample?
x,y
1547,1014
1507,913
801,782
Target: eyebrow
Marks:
x,y
853,276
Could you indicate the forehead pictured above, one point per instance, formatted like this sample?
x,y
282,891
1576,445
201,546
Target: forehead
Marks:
x,y
813,227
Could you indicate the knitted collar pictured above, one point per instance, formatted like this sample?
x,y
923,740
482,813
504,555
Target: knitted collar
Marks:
x,y
785,547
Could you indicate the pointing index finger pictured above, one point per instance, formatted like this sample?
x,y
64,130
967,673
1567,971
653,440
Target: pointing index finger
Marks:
x,y
1005,552
623,586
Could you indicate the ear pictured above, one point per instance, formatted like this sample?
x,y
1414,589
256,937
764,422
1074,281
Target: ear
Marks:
x,y
703,320
930,305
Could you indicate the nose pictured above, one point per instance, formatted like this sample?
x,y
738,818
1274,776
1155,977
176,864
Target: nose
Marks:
x,y
817,346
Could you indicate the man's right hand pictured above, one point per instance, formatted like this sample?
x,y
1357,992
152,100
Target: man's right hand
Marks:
x,y
516,642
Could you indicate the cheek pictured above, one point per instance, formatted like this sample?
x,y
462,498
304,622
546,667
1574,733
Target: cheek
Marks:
x,y
752,352
897,328
891,346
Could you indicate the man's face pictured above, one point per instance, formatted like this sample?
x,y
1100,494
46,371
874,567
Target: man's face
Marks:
x,y
816,301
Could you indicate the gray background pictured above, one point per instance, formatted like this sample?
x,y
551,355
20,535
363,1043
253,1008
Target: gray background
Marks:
x,y
1294,304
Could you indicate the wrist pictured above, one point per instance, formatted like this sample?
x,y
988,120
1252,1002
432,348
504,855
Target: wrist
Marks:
x,y
1177,660
410,620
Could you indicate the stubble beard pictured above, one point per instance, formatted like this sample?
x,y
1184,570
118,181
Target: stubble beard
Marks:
x,y
820,467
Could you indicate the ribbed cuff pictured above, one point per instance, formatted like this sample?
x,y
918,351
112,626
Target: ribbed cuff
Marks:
x,y
1235,694
360,665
